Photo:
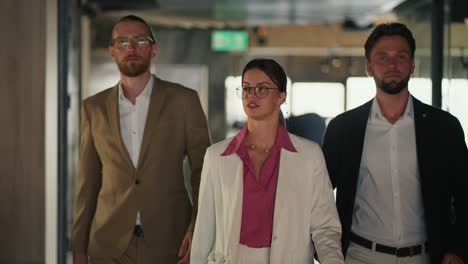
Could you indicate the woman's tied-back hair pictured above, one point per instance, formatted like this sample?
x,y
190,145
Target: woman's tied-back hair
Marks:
x,y
271,68
275,72
389,29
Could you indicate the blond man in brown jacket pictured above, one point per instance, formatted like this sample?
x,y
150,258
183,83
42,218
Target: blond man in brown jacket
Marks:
x,y
131,202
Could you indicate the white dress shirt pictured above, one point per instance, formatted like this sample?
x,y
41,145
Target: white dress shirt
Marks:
x,y
388,208
132,122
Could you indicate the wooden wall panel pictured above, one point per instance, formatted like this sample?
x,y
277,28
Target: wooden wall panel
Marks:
x,y
22,83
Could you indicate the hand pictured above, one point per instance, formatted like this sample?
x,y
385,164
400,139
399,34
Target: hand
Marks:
x,y
184,252
452,259
80,258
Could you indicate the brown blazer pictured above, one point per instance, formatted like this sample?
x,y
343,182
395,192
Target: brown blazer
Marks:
x,y
110,190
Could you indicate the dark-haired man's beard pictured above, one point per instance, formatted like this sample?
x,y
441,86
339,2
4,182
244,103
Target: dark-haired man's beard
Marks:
x,y
392,87
134,69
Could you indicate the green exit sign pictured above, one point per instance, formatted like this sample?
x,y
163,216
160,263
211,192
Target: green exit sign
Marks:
x,y
229,40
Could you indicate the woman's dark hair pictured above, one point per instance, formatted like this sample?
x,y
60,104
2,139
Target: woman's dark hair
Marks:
x,y
271,68
389,29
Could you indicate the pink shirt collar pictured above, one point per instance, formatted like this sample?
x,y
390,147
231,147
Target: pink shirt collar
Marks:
x,y
282,141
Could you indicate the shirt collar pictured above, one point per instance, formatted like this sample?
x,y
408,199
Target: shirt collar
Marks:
x,y
282,141
146,93
376,112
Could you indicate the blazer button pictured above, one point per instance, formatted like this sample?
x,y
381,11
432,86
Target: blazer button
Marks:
x,y
137,181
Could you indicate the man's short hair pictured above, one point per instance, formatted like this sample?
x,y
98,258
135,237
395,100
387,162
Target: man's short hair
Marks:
x,y
134,18
389,29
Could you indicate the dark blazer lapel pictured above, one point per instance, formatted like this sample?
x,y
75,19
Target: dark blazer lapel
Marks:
x,y
354,131
112,105
158,98
420,118
356,139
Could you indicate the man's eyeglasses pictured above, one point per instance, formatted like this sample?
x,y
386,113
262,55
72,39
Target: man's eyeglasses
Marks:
x,y
259,91
138,42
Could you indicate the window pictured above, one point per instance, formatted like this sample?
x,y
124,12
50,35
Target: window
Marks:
x,y
324,99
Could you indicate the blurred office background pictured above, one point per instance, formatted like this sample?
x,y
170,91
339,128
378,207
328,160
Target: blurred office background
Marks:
x,y
54,54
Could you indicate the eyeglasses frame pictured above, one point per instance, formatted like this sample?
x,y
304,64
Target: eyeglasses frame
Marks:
x,y
240,91
133,41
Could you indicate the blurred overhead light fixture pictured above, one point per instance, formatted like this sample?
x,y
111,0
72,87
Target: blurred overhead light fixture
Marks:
x,y
95,6
352,25
262,35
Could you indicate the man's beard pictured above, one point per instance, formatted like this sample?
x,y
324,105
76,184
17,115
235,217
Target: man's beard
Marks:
x,y
135,68
392,87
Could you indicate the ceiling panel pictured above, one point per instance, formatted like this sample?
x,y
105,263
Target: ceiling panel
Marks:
x,y
317,11
267,12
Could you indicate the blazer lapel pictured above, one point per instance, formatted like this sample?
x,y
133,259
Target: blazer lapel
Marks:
x,y
112,105
235,171
290,162
420,117
356,142
158,96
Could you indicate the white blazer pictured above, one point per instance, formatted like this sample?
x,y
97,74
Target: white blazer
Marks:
x,y
304,211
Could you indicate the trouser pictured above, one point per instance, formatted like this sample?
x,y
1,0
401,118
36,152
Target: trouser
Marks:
x,y
248,255
357,254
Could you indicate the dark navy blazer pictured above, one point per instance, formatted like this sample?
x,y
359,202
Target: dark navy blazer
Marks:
x,y
443,166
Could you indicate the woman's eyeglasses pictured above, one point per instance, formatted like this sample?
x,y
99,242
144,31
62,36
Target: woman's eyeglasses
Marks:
x,y
259,91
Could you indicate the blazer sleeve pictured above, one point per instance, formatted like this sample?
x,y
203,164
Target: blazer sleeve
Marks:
x,y
325,227
458,169
88,185
330,149
197,141
205,227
